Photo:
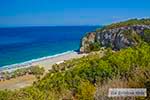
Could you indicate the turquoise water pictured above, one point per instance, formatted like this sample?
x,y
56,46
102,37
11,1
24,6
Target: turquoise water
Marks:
x,y
27,43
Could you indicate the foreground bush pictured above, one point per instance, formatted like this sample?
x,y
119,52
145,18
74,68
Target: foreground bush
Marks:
x,y
33,70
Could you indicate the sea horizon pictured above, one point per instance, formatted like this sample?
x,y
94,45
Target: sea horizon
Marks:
x,y
26,44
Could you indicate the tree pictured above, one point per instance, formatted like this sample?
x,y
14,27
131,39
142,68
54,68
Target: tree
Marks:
x,y
37,71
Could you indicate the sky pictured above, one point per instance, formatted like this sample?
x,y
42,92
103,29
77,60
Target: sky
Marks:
x,y
14,13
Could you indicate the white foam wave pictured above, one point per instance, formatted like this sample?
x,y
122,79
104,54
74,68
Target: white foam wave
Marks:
x,y
28,63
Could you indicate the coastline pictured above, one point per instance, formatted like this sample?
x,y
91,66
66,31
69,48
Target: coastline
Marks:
x,y
45,62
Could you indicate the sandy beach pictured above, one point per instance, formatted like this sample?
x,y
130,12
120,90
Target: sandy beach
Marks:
x,y
47,63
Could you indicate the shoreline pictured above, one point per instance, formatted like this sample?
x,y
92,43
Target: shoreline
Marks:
x,y
45,62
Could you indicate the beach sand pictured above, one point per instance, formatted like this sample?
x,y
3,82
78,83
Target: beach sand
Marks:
x,y
46,63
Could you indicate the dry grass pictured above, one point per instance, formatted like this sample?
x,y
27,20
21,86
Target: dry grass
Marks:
x,y
18,82
138,79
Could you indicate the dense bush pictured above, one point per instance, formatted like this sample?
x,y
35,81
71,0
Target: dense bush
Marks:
x,y
146,35
36,70
129,23
94,46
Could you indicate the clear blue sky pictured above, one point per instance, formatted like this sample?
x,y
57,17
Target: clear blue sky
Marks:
x,y
70,12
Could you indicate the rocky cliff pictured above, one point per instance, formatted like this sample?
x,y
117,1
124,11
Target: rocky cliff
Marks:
x,y
117,36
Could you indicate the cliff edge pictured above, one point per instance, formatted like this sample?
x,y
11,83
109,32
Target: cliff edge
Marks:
x,y
117,36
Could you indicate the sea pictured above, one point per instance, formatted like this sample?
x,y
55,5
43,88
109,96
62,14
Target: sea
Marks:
x,y
27,44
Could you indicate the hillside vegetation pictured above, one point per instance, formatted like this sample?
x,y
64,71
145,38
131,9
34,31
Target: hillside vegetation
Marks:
x,y
129,23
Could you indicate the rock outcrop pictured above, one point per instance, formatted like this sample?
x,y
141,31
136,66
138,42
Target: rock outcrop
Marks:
x,y
115,38
86,41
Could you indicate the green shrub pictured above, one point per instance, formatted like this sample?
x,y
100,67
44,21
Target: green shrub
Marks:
x,y
36,70
94,46
146,35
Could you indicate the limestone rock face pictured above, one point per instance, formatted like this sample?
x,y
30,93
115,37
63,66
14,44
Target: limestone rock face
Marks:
x,y
116,38
85,43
